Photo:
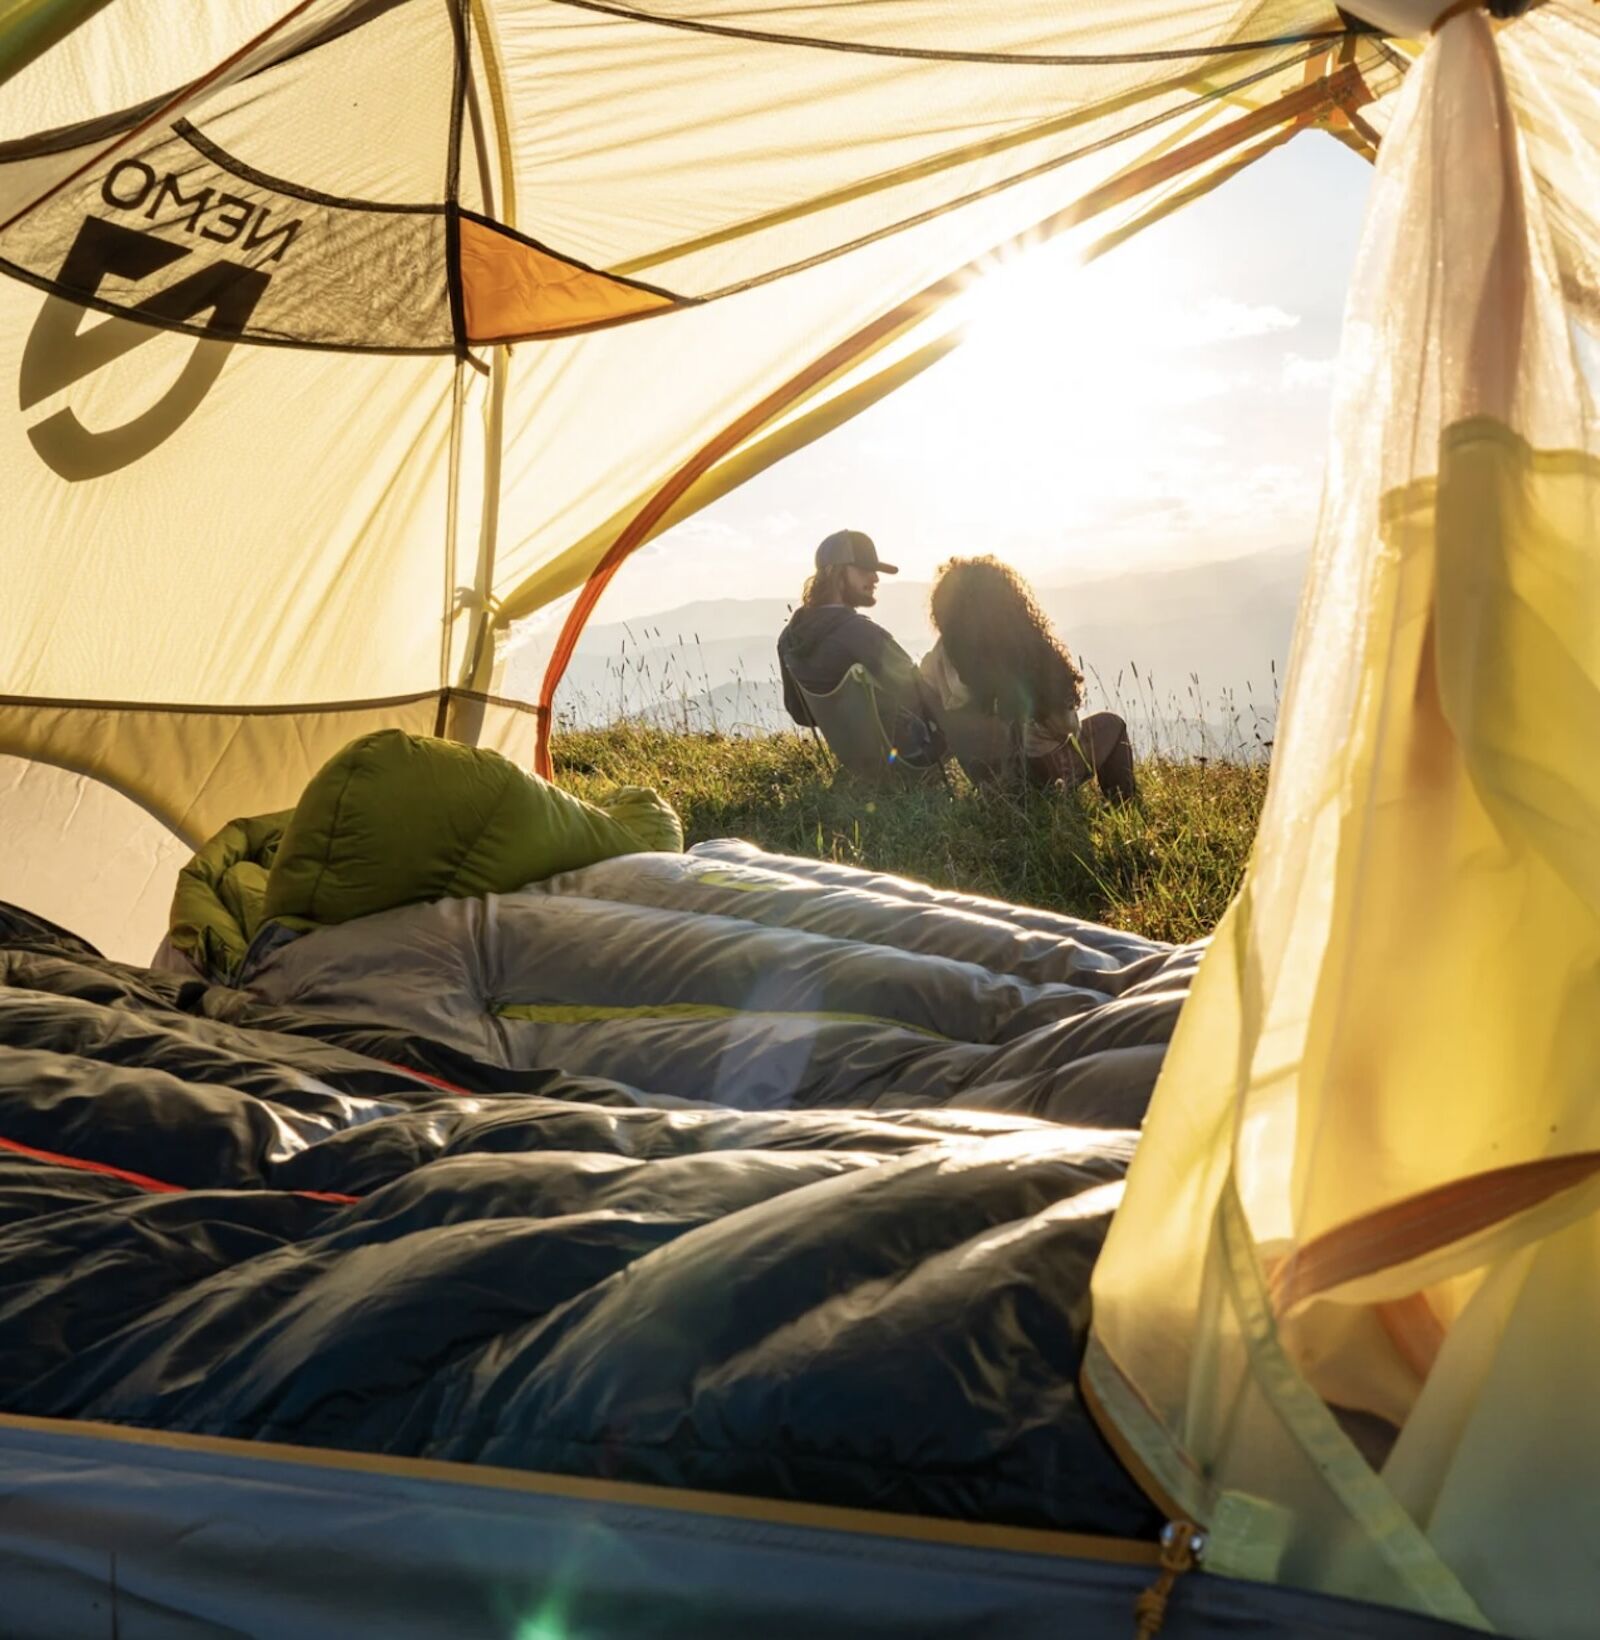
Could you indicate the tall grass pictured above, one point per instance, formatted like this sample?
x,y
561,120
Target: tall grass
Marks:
x,y
1166,867
668,684
656,682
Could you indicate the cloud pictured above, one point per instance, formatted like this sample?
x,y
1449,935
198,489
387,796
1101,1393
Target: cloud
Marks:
x,y
702,531
1199,503
1277,485
1182,386
1200,438
1219,319
1299,371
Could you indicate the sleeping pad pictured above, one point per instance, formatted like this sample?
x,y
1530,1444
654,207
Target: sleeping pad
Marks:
x,y
233,1217
762,982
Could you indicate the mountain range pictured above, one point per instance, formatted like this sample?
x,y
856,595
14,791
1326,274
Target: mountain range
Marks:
x,y
1192,655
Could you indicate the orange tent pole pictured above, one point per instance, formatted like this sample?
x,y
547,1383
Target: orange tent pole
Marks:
x,y
1345,87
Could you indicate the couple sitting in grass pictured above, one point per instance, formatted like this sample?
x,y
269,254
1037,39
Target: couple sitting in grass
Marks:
x,y
996,656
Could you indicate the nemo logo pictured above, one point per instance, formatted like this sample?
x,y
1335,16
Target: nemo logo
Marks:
x,y
61,349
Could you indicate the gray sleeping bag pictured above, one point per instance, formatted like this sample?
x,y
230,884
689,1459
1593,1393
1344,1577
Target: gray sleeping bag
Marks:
x,y
741,978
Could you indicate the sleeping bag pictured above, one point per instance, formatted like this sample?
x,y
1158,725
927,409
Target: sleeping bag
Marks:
x,y
398,819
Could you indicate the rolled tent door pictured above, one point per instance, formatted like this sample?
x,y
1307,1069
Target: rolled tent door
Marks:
x,y
1341,1313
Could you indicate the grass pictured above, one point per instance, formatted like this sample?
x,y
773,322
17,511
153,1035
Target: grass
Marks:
x,y
1166,868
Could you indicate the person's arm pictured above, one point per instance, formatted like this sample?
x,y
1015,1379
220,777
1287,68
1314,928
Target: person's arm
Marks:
x,y
908,691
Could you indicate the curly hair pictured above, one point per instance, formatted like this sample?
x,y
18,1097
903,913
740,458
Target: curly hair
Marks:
x,y
1000,642
824,587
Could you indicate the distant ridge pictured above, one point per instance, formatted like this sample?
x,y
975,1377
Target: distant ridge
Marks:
x,y
1143,638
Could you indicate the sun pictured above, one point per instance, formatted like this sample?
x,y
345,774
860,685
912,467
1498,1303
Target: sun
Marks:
x,y
1039,319
1051,402
1021,293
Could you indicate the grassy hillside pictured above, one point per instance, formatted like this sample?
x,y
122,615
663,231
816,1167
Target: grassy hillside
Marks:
x,y
1166,868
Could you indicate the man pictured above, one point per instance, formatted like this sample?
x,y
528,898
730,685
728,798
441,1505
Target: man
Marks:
x,y
828,634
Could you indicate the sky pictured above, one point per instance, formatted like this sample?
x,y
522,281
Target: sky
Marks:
x,y
1167,404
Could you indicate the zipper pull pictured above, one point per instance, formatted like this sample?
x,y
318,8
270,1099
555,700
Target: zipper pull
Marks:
x,y
1182,1545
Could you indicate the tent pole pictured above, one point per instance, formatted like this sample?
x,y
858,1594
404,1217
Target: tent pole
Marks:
x,y
479,657
452,508
1342,88
28,28
480,652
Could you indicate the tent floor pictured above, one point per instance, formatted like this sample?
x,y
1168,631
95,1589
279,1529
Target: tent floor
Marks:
x,y
147,1536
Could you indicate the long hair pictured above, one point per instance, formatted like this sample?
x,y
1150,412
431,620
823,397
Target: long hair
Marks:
x,y
1000,642
823,587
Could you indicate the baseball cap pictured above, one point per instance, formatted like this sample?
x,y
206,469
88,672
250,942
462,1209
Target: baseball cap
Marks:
x,y
852,547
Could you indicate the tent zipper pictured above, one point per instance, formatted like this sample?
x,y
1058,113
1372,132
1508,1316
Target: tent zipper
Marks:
x,y
1182,1545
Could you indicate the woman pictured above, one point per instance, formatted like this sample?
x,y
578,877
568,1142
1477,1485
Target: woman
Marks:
x,y
997,654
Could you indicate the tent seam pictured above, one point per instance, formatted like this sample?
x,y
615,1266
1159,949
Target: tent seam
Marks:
x,y
867,48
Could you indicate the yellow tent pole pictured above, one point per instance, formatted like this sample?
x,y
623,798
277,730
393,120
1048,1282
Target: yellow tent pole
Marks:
x,y
477,667
745,463
1307,101
28,28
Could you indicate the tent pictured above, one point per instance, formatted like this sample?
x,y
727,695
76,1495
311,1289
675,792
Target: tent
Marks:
x,y
347,332
282,516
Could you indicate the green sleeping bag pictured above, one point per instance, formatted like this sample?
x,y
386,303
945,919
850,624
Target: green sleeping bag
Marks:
x,y
396,819
217,907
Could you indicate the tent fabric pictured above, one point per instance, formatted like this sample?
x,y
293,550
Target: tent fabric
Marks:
x,y
993,125
1369,1177
225,756
193,1534
95,860
1547,56
203,227
100,845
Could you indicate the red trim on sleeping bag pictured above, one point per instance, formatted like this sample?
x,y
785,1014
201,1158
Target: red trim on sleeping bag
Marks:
x,y
432,1081
142,1180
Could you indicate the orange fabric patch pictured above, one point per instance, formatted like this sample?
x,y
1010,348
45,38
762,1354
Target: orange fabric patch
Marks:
x,y
512,290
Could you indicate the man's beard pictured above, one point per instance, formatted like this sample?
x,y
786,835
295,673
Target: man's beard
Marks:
x,y
863,599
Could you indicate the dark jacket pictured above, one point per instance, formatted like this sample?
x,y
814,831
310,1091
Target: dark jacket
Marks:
x,y
821,644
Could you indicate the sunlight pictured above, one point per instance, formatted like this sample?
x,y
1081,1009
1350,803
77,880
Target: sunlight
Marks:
x,y
1072,379
1030,301
1078,341
1041,325
1096,409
